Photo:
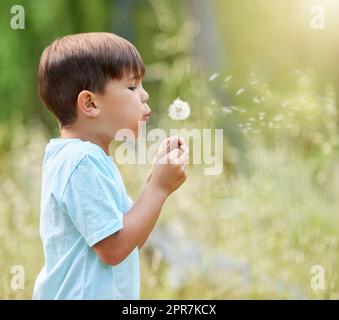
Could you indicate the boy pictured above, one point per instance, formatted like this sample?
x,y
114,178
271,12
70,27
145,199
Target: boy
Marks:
x,y
91,231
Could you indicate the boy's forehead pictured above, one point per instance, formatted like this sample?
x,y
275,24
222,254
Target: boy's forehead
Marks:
x,y
131,77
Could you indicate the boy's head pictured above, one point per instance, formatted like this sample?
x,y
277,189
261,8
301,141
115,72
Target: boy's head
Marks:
x,y
93,81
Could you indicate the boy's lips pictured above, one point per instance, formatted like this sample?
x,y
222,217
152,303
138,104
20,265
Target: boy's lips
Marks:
x,y
146,117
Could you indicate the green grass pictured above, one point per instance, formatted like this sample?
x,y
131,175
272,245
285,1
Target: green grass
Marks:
x,y
274,216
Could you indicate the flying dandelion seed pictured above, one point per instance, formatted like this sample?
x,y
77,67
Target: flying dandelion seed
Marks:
x,y
179,110
238,109
228,78
271,124
226,110
254,82
262,115
240,125
256,99
213,76
252,119
302,99
240,91
284,104
278,117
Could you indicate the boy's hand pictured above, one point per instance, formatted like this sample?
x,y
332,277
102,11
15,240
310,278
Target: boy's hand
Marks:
x,y
169,166
166,146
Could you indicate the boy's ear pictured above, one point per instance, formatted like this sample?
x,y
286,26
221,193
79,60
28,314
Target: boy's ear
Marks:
x,y
86,104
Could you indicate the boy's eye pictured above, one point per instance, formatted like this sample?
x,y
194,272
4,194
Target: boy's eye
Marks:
x,y
132,88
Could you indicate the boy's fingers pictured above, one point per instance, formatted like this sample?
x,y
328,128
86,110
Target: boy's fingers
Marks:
x,y
181,142
172,157
167,146
183,158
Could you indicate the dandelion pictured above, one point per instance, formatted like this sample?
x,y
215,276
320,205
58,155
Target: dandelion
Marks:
x,y
179,110
240,91
213,76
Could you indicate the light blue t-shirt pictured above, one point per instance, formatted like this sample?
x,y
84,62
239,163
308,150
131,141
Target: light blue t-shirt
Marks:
x,y
83,200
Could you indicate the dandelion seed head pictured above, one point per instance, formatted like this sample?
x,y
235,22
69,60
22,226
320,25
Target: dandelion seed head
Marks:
x,y
179,110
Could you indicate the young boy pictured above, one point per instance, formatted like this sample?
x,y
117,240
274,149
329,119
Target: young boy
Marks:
x,y
91,231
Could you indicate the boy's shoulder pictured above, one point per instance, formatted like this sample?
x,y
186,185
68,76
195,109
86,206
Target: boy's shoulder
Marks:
x,y
69,153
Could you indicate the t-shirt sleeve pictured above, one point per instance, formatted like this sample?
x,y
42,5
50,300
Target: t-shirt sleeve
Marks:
x,y
91,200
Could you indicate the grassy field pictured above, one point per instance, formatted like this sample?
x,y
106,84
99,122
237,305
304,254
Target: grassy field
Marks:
x,y
254,233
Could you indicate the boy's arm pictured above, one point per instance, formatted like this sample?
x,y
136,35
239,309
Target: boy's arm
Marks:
x,y
141,218
138,223
161,153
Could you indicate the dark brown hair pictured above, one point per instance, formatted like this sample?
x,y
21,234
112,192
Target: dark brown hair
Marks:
x,y
85,61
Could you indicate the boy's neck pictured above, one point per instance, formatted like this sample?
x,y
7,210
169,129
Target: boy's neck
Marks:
x,y
69,133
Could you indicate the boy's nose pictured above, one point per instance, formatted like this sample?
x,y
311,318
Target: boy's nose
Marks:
x,y
145,96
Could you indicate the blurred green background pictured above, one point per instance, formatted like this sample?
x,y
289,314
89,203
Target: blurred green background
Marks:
x,y
259,70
